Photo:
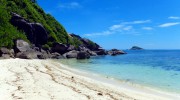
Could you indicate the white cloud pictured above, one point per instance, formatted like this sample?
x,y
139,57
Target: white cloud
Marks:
x,y
141,21
147,28
138,22
174,17
115,27
70,5
122,28
104,33
127,28
169,24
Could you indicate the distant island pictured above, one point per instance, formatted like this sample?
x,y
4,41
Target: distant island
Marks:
x,y
136,48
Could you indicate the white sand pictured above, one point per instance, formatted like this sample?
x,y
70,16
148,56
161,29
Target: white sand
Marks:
x,y
45,80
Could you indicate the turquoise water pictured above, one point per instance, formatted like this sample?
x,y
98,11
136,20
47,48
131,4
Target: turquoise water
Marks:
x,y
155,68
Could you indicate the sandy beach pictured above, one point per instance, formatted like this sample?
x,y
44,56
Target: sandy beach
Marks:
x,y
22,79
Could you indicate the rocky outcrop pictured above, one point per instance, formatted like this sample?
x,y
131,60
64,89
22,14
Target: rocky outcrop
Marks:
x,y
136,48
71,54
83,55
70,48
101,51
35,32
6,53
114,52
22,49
74,35
21,46
57,56
37,35
26,55
90,45
32,54
59,47
86,43
92,53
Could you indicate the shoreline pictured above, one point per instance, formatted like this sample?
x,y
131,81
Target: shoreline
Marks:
x,y
112,80
119,83
49,80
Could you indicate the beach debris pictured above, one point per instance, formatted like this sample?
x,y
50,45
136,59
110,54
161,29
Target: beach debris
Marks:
x,y
99,94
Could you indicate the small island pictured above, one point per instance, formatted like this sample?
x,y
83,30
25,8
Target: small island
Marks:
x,y
136,48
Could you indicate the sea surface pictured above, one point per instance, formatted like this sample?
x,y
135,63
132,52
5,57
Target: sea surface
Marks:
x,y
154,68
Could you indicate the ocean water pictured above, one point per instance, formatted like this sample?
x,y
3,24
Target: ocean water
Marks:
x,y
154,68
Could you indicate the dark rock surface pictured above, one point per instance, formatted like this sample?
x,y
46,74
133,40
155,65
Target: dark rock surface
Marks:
x,y
59,47
83,55
114,52
101,52
87,43
40,35
57,56
70,48
35,32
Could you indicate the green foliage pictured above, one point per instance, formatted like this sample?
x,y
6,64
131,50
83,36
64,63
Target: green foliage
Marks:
x,y
32,12
45,47
8,32
92,44
76,42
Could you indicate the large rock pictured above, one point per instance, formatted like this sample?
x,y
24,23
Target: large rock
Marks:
x,y
59,47
23,50
5,56
21,46
101,51
83,55
57,56
4,51
27,55
32,54
114,52
35,32
71,54
92,53
43,55
70,48
82,48
40,35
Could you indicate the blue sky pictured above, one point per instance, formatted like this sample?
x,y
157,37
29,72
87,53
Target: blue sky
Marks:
x,y
151,24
